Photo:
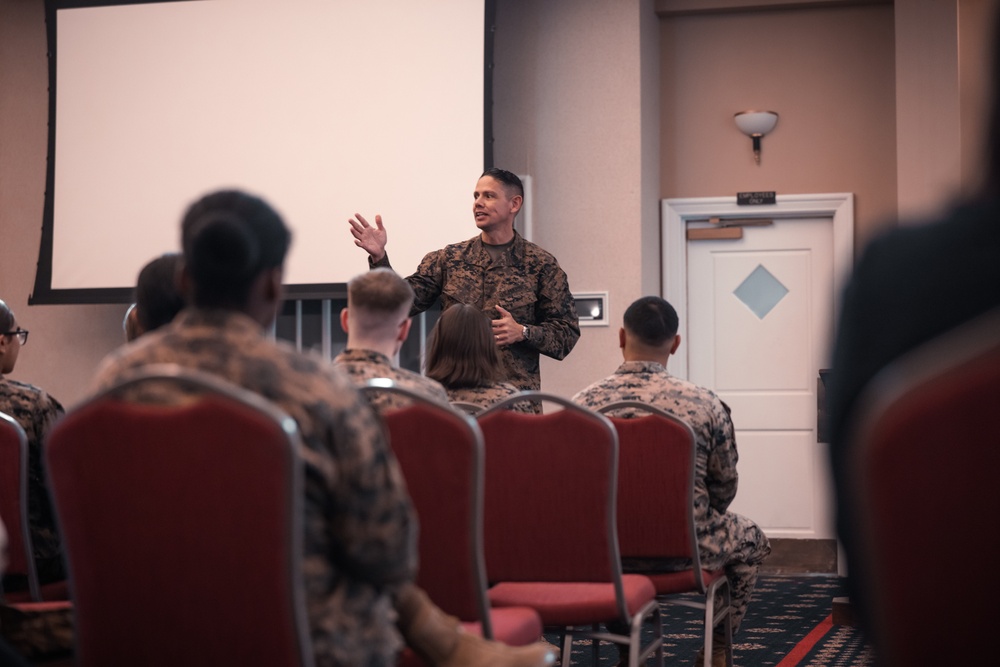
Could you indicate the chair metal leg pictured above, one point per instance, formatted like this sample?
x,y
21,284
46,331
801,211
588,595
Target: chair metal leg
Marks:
x,y
567,649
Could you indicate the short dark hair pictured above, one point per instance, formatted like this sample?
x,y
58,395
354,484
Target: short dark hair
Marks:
x,y
158,299
229,238
461,351
652,320
6,317
509,179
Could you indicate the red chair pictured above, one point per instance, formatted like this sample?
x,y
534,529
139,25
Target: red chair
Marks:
x,y
14,512
656,511
551,538
925,448
440,451
180,498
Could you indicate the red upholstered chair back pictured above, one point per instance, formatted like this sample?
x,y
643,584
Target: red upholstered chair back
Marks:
x,y
656,456
182,525
440,451
550,494
926,450
14,501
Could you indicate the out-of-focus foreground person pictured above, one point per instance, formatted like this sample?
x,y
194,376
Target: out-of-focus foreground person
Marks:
x,y
360,545
909,286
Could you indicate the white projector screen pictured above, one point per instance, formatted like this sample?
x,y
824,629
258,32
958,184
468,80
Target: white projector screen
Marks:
x,y
323,107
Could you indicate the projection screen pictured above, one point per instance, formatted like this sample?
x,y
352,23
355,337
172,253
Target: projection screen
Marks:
x,y
325,108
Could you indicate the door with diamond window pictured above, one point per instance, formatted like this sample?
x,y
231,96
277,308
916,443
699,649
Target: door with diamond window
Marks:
x,y
760,317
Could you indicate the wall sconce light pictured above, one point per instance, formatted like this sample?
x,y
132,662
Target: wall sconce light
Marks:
x,y
755,124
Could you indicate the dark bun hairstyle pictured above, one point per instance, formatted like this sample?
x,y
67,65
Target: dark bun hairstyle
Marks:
x,y
230,238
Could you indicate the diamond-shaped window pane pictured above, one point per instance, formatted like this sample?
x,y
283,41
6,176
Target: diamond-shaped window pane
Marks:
x,y
760,291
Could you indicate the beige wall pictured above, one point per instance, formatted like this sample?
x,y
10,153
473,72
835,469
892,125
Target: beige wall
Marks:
x,y
575,107
829,74
66,342
580,106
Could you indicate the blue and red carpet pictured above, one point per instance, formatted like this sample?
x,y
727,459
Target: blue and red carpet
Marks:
x,y
788,625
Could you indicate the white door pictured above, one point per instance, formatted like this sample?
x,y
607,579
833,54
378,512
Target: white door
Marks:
x,y
759,319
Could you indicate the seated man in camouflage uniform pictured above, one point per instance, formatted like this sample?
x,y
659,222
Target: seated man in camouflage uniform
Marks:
x,y
725,539
377,322
360,543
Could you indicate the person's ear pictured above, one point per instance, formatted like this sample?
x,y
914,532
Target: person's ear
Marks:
x,y
621,337
404,329
515,203
275,287
676,344
344,317
185,284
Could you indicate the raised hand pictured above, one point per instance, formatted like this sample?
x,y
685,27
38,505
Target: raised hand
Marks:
x,y
371,239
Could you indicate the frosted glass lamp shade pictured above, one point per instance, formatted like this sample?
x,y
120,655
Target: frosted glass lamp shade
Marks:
x,y
755,124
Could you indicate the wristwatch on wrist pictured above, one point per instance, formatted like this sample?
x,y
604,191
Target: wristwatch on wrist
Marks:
x,y
524,332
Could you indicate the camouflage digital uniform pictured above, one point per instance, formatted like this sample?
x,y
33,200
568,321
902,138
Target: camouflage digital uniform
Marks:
x,y
484,397
363,365
360,525
36,411
525,280
724,538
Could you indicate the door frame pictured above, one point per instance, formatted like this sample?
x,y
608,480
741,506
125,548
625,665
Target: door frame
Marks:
x,y
676,213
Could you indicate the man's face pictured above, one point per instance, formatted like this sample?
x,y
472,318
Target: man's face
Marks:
x,y
492,207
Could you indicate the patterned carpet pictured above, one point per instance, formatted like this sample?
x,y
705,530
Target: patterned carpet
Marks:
x,y
787,625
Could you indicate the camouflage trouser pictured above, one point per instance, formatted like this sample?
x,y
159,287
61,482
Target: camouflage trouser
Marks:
x,y
740,547
737,544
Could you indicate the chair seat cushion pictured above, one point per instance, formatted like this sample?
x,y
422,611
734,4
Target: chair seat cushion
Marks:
x,y
574,603
668,583
57,591
515,626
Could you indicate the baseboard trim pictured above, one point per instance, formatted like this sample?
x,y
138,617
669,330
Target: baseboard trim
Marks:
x,y
806,556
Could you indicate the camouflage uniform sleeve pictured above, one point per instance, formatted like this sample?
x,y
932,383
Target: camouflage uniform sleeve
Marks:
x,y
557,326
375,528
723,479
427,282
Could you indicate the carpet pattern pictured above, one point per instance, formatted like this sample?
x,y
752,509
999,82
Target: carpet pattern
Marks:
x,y
787,625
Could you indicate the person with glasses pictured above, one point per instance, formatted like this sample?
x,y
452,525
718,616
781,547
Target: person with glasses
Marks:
x,y
35,411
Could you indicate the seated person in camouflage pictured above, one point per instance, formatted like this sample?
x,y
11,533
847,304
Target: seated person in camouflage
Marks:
x,y
158,298
360,543
647,339
35,411
514,282
462,356
377,321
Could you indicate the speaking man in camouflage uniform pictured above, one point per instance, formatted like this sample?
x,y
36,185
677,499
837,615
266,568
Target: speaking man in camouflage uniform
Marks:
x,y
377,322
35,411
648,338
516,283
360,527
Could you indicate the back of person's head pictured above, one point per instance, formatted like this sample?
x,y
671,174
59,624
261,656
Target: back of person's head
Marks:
x,y
377,301
158,297
652,320
461,351
512,184
230,238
